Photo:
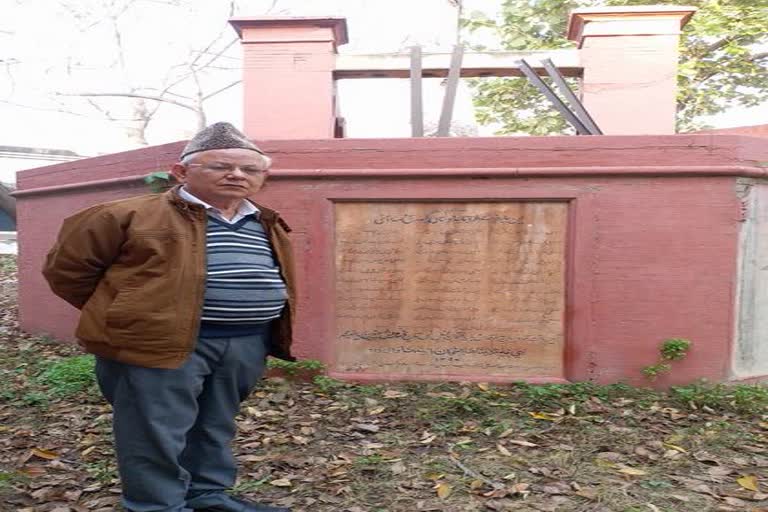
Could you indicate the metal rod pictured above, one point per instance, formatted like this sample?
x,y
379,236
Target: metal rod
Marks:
x,y
573,100
454,73
417,109
552,97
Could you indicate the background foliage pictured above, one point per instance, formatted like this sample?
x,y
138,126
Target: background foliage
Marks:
x,y
723,61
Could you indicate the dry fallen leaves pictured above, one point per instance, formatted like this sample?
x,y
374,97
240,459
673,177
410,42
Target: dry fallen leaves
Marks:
x,y
443,490
44,454
748,482
544,416
519,442
633,471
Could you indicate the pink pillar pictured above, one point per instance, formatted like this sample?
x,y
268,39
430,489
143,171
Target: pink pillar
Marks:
x,y
288,81
630,55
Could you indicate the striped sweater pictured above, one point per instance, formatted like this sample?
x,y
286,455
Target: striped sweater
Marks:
x,y
244,286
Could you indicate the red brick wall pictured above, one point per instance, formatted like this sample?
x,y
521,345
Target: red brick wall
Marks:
x,y
654,229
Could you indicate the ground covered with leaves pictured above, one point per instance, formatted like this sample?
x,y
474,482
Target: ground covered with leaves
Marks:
x,y
322,445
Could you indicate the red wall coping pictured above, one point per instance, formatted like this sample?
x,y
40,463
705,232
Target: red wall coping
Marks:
x,y
647,171
760,130
520,155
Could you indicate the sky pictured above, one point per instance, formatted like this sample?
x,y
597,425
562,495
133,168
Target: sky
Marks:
x,y
375,26
50,49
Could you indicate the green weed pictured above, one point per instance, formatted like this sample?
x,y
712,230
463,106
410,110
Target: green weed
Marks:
x,y
103,470
672,349
741,398
35,399
8,264
68,376
326,384
295,367
8,479
244,486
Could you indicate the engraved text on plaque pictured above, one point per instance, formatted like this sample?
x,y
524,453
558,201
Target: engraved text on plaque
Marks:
x,y
453,288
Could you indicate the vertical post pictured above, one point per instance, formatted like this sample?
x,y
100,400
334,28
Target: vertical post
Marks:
x,y
630,55
288,82
417,107
454,73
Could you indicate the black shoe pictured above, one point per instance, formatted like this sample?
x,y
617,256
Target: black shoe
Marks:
x,y
238,505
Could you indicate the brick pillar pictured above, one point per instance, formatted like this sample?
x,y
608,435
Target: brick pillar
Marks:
x,y
288,80
630,60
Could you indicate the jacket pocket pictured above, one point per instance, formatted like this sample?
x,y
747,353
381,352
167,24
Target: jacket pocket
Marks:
x,y
138,317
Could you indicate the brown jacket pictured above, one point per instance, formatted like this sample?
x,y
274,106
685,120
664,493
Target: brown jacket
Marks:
x,y
136,269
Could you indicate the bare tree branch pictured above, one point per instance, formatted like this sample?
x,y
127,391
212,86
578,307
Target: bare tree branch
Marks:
x,y
211,95
271,7
183,85
717,45
98,107
7,68
459,13
201,122
165,91
129,95
43,109
220,56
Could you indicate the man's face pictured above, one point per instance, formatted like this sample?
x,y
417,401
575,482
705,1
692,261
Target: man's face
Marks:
x,y
222,175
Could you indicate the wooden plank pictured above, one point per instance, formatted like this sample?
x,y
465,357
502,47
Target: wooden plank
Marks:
x,y
417,107
436,65
446,114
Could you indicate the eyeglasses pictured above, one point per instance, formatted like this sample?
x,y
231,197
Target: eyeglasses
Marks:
x,y
248,170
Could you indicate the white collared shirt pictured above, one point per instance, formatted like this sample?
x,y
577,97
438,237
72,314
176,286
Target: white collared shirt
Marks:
x,y
244,209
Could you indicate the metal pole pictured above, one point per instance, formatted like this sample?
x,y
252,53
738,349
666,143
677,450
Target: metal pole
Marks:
x,y
454,73
552,97
417,110
573,100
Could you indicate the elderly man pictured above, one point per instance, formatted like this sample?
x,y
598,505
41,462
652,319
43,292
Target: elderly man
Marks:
x,y
182,295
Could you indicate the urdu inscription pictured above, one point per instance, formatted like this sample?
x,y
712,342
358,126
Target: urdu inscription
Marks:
x,y
451,288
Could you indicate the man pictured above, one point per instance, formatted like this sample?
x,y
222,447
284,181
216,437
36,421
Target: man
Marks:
x,y
182,296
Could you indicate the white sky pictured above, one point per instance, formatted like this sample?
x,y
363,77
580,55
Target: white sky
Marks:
x,y
46,39
156,40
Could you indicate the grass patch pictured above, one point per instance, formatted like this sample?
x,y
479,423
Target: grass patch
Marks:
x,y
293,368
103,471
562,395
327,384
8,264
69,376
751,399
28,379
8,479
247,485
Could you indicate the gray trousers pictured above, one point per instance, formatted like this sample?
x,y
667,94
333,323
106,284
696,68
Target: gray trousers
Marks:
x,y
173,429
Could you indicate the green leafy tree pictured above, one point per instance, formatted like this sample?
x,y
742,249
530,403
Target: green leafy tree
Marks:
x,y
723,61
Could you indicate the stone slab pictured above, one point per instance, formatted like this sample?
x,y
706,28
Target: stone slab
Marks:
x,y
450,288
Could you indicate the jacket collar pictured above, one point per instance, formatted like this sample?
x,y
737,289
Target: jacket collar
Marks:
x,y
267,214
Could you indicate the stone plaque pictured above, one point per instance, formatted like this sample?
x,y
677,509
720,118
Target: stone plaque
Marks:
x,y
450,289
